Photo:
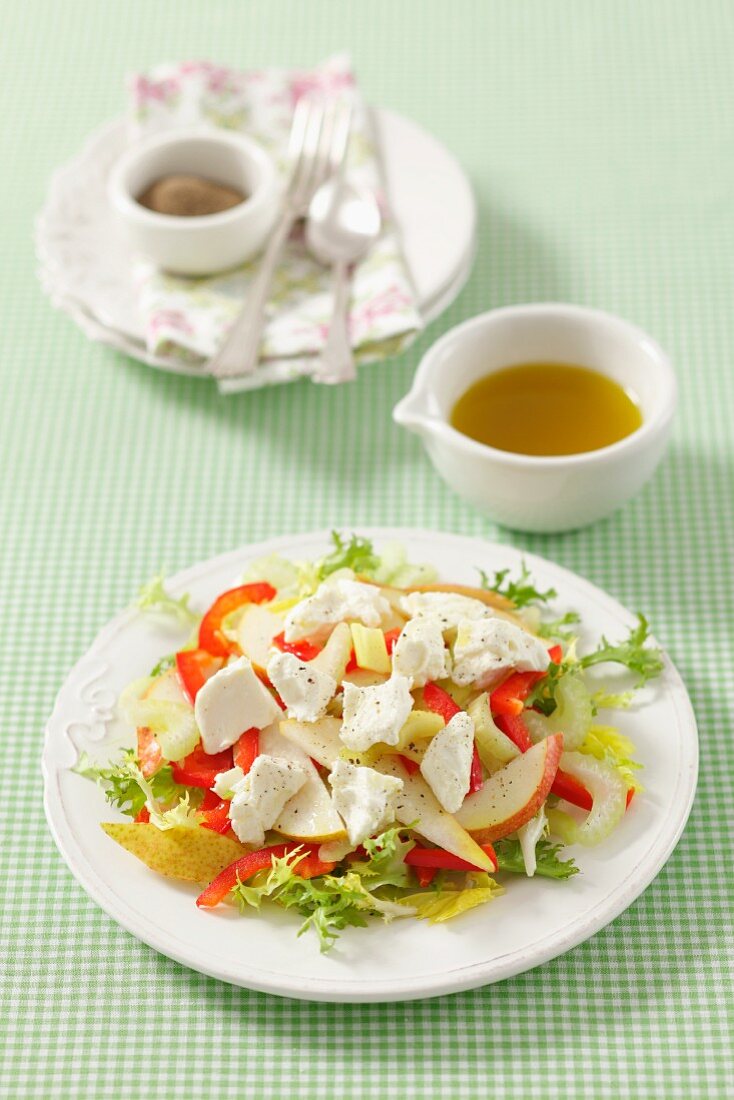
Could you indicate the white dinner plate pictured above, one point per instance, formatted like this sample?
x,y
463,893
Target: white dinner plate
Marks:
x,y
535,920
85,263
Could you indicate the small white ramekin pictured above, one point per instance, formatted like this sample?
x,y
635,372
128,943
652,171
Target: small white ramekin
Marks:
x,y
197,245
527,492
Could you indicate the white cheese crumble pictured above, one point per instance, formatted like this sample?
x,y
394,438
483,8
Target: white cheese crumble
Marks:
x,y
446,766
259,798
304,689
364,799
420,653
375,714
225,782
335,601
448,607
485,648
230,702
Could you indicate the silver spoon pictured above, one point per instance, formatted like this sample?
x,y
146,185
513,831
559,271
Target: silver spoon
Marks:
x,y
343,223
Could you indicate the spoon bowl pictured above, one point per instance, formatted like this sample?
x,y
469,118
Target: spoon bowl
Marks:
x,y
343,223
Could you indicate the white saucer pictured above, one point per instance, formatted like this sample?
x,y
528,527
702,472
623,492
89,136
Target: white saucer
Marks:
x,y
85,261
534,921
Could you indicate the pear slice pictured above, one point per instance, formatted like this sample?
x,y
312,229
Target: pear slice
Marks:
x,y
364,677
515,793
334,657
319,740
417,803
167,687
255,632
502,607
192,855
310,814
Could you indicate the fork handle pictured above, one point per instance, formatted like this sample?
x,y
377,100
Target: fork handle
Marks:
x,y
336,363
239,353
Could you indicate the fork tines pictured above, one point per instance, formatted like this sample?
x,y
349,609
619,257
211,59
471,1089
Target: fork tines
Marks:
x,y
318,144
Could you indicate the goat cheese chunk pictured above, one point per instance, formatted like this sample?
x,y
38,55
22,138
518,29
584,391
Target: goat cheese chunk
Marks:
x,y
335,601
230,702
375,714
225,782
305,690
448,607
446,766
487,648
259,798
365,800
419,653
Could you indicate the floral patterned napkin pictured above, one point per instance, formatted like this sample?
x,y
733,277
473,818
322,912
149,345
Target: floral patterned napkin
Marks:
x,y
186,318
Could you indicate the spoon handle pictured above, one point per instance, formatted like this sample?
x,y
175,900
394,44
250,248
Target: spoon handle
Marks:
x,y
336,363
239,353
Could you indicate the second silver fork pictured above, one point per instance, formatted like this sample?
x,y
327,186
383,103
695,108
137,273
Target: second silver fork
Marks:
x,y
318,143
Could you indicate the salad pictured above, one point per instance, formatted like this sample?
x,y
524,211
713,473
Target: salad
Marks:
x,y
354,738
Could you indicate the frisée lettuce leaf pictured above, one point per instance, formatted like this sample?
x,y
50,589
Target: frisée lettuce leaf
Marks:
x,y
520,592
385,864
126,787
153,597
355,553
632,652
329,903
547,860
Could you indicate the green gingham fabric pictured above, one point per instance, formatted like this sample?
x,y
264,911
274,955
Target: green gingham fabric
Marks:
x,y
598,134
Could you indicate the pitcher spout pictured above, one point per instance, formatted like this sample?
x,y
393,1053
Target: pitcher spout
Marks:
x,y
412,413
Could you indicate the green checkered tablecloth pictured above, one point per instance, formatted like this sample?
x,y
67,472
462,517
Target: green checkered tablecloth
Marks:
x,y
599,138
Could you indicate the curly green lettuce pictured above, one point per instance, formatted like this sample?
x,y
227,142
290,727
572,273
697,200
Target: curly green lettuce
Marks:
x,y
126,788
329,903
521,592
548,862
154,597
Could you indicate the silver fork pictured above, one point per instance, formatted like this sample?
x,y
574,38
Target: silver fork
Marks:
x,y
317,146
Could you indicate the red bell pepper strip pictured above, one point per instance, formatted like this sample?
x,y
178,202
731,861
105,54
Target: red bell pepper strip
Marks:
x,y
411,766
440,702
425,875
391,637
476,776
209,801
193,669
438,858
352,665
247,749
304,650
249,865
150,757
630,796
514,728
199,768
216,818
143,816
509,697
211,637
568,787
